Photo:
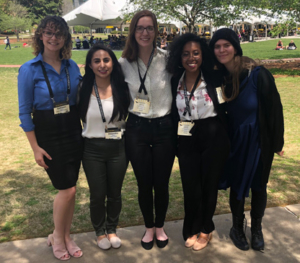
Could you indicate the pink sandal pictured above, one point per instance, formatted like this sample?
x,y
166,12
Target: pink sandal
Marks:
x,y
59,251
73,248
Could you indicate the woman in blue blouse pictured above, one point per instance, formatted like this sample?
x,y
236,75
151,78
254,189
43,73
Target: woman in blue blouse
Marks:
x,y
47,87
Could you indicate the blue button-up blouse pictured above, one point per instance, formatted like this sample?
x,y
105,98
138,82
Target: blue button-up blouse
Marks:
x,y
33,91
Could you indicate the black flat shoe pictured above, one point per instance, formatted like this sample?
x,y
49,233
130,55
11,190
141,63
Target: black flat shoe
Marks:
x,y
147,245
161,243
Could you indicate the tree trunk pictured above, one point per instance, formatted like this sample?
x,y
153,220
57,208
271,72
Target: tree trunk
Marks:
x,y
191,28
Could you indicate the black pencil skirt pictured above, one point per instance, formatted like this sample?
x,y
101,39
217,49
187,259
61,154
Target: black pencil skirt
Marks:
x,y
60,136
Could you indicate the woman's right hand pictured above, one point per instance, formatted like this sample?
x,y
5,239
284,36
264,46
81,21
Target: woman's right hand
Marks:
x,y
39,154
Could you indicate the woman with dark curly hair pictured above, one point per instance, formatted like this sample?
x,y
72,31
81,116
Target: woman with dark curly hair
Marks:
x,y
203,144
103,107
47,87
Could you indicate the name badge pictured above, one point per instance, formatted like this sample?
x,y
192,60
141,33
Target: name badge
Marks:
x,y
113,134
61,108
184,128
220,95
141,106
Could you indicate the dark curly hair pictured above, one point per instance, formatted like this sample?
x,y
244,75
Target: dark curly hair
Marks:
x,y
174,64
57,23
119,87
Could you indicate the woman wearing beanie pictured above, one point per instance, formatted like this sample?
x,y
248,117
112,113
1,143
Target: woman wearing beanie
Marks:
x,y
203,143
255,121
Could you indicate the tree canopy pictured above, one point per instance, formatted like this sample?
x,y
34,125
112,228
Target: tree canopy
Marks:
x,y
38,9
217,12
15,18
220,12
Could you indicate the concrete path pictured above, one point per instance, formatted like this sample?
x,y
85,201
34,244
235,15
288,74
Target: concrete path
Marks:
x,y
281,228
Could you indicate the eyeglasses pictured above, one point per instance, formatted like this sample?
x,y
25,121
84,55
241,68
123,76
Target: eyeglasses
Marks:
x,y
140,29
49,34
186,56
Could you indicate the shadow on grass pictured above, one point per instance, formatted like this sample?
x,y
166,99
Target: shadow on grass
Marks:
x,y
26,205
26,200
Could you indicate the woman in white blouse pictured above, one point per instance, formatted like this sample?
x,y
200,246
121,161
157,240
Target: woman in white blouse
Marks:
x,y
150,133
203,143
103,105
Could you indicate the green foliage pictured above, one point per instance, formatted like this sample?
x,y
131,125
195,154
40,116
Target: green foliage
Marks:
x,y
38,9
81,29
16,18
218,12
283,28
114,32
291,7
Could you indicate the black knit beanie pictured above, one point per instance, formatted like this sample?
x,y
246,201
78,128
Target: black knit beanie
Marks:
x,y
229,35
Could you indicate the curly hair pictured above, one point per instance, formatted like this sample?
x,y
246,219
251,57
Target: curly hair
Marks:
x,y
174,63
57,23
131,49
119,87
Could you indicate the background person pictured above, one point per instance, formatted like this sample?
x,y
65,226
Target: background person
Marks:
x,y
104,160
203,150
7,43
279,45
255,122
48,84
291,45
150,134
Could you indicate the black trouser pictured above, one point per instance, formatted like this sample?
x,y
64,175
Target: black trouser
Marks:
x,y
105,163
201,159
150,147
258,203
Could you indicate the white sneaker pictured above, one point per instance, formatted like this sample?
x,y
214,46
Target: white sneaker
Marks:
x,y
115,242
104,243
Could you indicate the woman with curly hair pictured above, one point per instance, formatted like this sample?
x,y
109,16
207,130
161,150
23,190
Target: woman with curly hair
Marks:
x,y
103,107
47,88
203,144
256,128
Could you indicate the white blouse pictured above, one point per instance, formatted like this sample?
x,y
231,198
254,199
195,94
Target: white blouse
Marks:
x,y
94,126
201,104
157,83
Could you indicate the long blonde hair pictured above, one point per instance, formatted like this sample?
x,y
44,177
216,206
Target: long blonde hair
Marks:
x,y
240,64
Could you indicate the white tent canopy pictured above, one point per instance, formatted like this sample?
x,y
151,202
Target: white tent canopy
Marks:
x,y
96,13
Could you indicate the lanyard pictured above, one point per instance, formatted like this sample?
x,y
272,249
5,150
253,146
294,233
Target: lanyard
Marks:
x,y
99,102
142,86
187,101
49,86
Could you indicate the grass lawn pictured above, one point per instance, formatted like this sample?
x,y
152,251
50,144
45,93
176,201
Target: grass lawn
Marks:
x,y
266,49
26,194
255,50
18,56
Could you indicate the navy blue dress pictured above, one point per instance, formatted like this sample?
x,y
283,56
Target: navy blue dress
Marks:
x,y
243,165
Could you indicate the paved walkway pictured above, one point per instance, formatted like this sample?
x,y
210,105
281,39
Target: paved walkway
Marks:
x,y
281,228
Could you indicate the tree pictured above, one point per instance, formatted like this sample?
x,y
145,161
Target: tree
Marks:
x,y
291,7
15,18
67,6
38,9
220,12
